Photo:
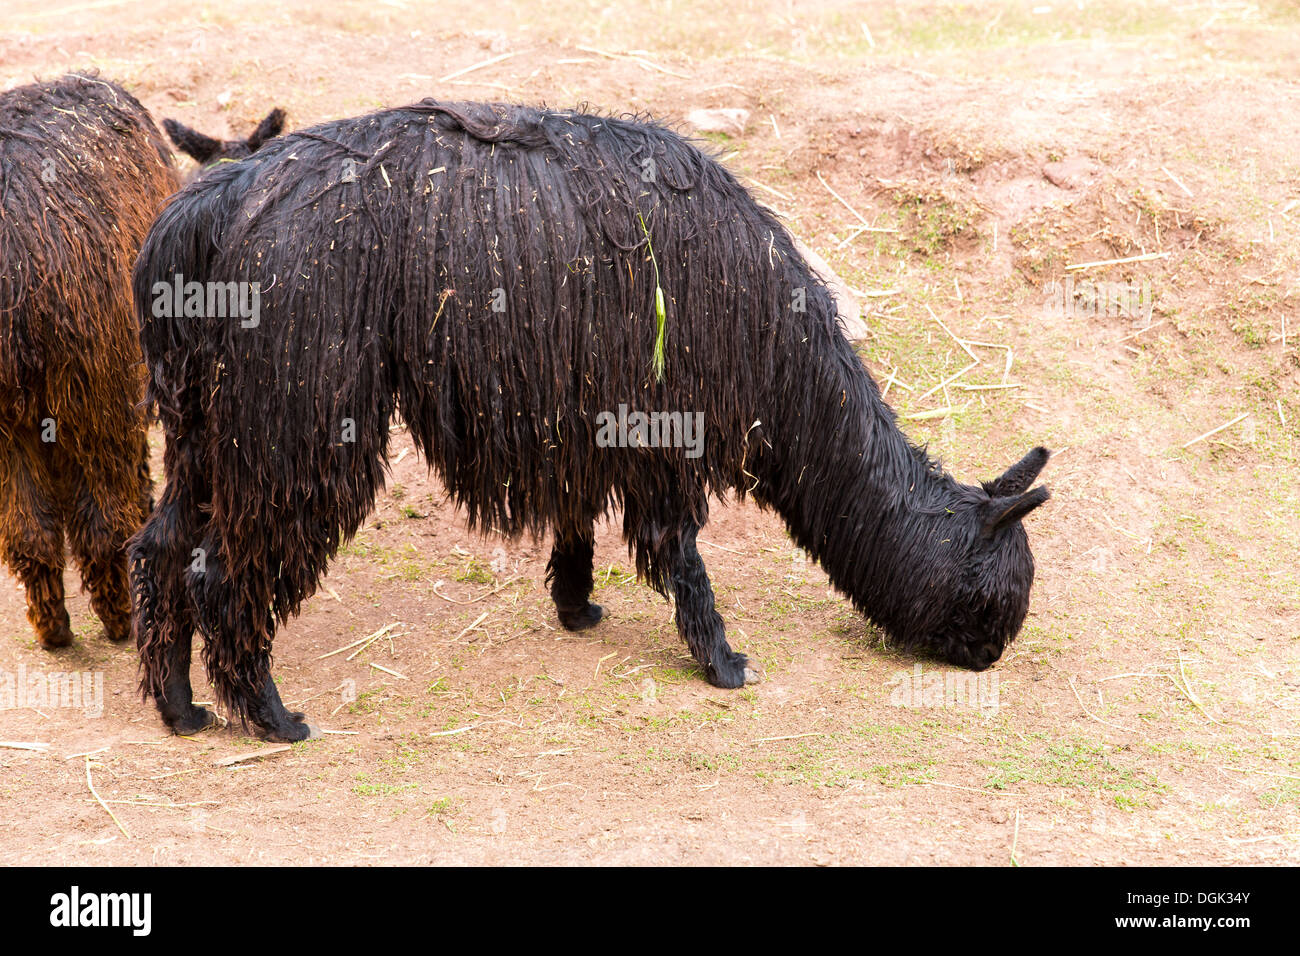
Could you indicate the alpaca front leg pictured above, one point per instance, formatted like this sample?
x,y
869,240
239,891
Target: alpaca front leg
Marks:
x,y
570,576
699,623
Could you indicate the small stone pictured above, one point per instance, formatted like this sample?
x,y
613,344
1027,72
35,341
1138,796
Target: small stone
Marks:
x,y
1073,173
494,41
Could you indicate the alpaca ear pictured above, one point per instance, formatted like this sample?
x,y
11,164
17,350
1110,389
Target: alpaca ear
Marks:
x,y
192,142
269,128
1017,479
999,512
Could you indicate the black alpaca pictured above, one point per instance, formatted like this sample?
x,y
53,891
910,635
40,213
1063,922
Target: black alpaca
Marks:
x,y
485,272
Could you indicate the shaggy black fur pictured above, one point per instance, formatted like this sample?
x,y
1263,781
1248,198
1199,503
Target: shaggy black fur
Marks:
x,y
83,170
382,244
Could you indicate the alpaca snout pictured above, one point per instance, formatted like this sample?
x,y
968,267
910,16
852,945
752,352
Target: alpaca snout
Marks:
x,y
976,656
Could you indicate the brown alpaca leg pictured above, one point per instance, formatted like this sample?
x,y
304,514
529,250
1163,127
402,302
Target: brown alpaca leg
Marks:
x,y
101,520
100,551
31,537
45,607
104,576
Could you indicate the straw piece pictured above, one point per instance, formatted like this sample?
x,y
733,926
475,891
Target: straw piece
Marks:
x,y
1215,431
251,755
95,793
1177,182
361,640
1117,262
477,66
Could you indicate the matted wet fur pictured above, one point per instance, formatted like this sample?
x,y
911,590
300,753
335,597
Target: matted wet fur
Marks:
x,y
483,272
83,170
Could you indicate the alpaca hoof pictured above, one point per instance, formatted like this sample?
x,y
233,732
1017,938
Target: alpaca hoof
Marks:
x,y
195,720
118,632
59,637
291,732
729,673
752,676
589,616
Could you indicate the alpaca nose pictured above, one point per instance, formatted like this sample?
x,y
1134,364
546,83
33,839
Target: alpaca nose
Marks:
x,y
976,656
984,655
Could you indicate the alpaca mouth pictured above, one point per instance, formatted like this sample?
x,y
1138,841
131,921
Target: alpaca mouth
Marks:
x,y
977,657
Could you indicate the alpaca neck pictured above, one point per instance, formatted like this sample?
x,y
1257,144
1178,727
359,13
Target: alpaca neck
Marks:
x,y
854,492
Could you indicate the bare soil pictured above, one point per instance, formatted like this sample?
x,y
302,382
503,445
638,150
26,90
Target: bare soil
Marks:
x,y
1149,711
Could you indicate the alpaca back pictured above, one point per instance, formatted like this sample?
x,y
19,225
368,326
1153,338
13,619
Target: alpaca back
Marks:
x,y
84,171
486,270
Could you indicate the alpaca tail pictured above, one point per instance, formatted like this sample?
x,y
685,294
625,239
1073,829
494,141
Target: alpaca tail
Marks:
x,y
180,248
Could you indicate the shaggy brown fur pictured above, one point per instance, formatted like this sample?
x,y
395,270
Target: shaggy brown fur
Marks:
x,y
83,171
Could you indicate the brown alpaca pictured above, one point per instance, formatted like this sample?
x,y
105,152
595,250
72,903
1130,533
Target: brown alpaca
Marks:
x,y
84,172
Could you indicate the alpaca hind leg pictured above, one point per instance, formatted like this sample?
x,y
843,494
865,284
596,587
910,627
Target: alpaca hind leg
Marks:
x,y
161,555
105,497
31,537
43,583
103,574
100,550
569,575
175,700
698,622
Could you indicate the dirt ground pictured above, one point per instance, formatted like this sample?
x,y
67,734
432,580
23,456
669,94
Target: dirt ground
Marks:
x,y
1149,712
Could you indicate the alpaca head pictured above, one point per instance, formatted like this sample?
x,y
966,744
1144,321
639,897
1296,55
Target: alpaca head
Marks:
x,y
990,598
207,150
